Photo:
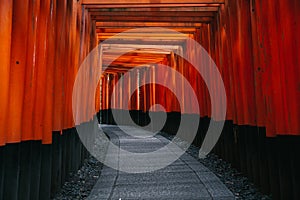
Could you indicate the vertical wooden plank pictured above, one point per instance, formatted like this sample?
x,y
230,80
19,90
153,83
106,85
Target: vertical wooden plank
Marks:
x,y
289,68
36,168
41,70
259,96
45,179
97,98
232,10
68,83
270,61
58,100
50,65
56,164
17,70
11,168
28,132
2,172
25,170
6,16
204,99
225,58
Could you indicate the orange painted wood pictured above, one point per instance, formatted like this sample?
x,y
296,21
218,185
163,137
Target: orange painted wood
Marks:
x,y
257,62
97,98
41,63
138,13
69,63
103,2
269,63
126,97
289,67
147,24
242,63
6,12
17,70
119,30
144,19
58,101
31,75
155,7
50,62
204,93
223,58
104,92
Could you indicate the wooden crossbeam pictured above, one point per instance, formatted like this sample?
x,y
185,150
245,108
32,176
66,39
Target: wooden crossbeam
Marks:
x,y
150,6
145,35
138,46
147,24
104,2
138,57
136,40
117,69
140,52
152,14
134,58
129,64
149,30
99,8
146,42
151,19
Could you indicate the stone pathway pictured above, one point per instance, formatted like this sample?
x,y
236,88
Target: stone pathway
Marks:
x,y
186,178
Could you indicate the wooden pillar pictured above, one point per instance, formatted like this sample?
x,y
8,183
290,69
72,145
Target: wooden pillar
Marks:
x,y
6,16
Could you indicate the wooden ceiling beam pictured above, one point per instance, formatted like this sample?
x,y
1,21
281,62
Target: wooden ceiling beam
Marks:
x,y
141,52
158,6
138,56
116,70
137,47
99,8
146,35
144,42
112,2
137,59
153,14
147,24
141,40
132,64
149,30
151,19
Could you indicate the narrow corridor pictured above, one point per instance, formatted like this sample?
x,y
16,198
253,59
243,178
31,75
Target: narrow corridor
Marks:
x,y
186,178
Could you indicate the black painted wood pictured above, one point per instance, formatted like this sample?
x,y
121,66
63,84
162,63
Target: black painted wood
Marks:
x,y
295,165
68,158
12,171
73,155
45,178
285,176
263,162
36,157
242,148
56,164
25,170
272,157
64,141
2,166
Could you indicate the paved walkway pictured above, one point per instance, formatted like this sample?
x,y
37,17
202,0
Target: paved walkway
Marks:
x,y
186,178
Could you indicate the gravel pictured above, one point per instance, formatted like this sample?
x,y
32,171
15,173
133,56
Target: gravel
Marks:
x,y
81,183
235,181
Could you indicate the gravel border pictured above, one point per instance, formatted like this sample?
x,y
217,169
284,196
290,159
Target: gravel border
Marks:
x,y
82,182
235,181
